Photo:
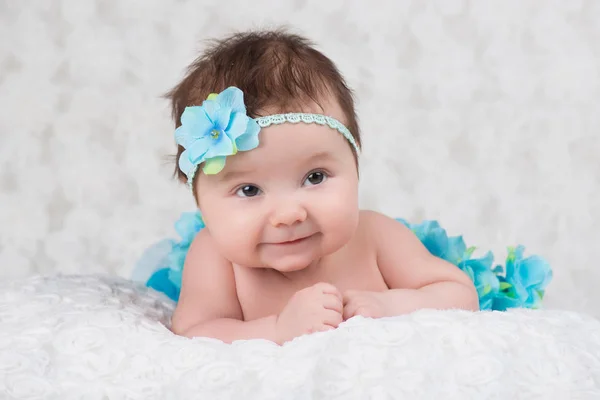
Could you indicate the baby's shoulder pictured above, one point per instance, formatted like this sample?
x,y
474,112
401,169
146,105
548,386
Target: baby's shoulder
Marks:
x,y
375,227
365,234
203,253
203,242
374,221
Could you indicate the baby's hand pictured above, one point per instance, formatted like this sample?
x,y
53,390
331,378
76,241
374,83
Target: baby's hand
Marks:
x,y
314,309
367,304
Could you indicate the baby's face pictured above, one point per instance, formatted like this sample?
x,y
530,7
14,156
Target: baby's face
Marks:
x,y
287,203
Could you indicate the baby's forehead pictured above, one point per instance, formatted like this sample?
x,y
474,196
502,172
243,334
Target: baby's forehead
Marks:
x,y
300,140
292,145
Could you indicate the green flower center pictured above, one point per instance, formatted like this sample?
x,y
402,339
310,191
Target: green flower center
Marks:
x,y
215,134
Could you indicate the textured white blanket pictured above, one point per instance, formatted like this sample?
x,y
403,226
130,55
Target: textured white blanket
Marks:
x,y
95,337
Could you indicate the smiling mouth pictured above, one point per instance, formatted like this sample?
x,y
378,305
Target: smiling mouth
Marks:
x,y
295,241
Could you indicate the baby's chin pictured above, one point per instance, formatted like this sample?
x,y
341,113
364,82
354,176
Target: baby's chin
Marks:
x,y
298,261
289,264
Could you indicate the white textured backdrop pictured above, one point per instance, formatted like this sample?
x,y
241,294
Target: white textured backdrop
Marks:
x,y
484,115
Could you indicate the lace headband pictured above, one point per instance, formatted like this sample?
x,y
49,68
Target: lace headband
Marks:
x,y
220,128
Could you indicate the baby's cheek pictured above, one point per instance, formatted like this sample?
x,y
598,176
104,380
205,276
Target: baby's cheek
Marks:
x,y
237,237
340,214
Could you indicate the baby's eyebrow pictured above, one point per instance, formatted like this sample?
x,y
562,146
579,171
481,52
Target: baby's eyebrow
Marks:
x,y
231,175
321,155
236,174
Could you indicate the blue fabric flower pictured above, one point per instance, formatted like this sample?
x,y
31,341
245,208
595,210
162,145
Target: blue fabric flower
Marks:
x,y
168,278
485,280
188,226
436,240
216,129
523,282
160,282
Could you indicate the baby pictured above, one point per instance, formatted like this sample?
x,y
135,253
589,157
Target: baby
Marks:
x,y
269,144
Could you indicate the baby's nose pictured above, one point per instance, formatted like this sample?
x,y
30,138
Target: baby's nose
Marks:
x,y
288,214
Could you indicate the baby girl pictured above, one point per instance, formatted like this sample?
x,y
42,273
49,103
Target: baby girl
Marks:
x,y
269,145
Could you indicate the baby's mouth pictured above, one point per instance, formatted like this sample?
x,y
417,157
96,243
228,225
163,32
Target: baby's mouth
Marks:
x,y
294,241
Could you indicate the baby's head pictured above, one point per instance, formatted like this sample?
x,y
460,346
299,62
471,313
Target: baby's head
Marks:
x,y
272,193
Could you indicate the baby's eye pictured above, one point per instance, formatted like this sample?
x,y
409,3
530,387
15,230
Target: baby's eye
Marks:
x,y
315,178
248,191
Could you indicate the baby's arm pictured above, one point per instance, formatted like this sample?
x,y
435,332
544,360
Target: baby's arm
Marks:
x,y
416,278
208,305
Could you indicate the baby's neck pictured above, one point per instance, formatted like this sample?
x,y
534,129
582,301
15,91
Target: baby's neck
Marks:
x,y
310,272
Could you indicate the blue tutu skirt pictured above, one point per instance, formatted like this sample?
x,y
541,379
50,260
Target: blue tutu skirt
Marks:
x,y
519,283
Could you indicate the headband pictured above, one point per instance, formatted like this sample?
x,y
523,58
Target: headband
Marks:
x,y
220,128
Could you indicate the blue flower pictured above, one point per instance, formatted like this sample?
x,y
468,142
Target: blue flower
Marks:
x,y
436,240
187,226
521,284
485,280
524,281
167,277
160,282
216,129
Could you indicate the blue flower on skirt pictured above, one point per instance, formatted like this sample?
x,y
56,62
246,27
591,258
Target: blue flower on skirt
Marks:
x,y
523,281
485,280
188,226
436,240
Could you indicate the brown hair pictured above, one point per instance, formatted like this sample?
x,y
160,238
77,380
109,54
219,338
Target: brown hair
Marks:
x,y
272,69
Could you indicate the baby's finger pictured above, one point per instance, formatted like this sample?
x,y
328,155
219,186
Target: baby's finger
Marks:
x,y
328,288
332,318
349,310
332,302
